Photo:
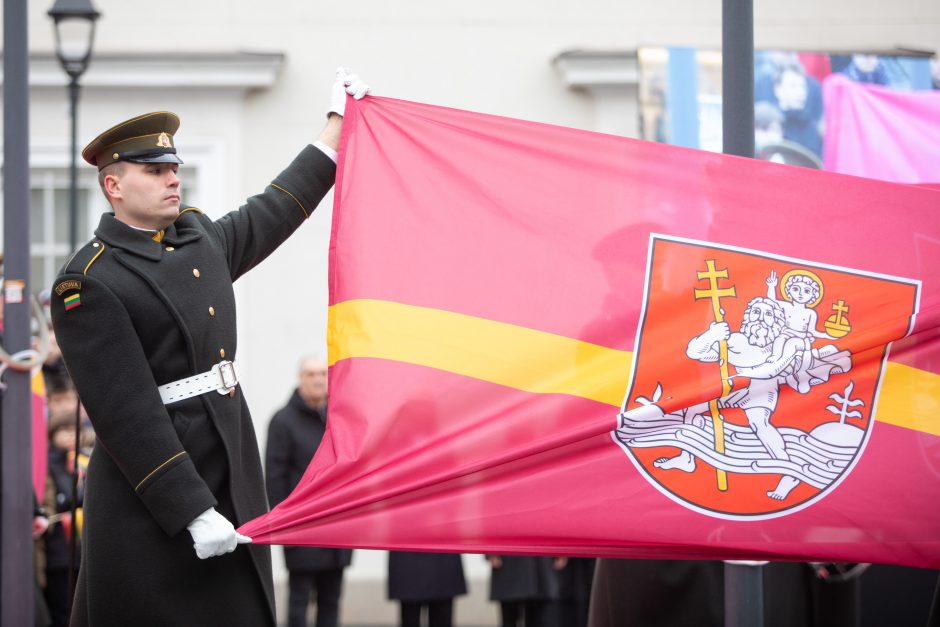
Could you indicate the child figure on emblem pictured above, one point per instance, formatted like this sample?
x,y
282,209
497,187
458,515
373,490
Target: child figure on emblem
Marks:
x,y
802,291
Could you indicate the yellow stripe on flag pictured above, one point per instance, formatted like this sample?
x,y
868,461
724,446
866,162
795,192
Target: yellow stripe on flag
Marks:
x,y
506,354
910,398
540,362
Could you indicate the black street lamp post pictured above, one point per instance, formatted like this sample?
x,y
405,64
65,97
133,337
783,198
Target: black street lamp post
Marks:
x,y
74,35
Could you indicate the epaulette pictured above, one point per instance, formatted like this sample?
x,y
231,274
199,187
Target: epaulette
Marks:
x,y
188,210
69,288
84,257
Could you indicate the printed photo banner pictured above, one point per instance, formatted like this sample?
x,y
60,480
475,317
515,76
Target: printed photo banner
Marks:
x,y
550,341
880,133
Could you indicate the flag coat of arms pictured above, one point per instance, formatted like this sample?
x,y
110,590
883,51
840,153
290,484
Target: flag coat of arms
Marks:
x,y
785,413
550,341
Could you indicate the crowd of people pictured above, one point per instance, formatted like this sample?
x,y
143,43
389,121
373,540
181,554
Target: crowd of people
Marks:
x,y
58,510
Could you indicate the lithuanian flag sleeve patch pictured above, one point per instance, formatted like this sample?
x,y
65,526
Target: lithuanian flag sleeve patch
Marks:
x,y
73,301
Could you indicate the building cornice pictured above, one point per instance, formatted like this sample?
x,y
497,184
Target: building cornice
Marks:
x,y
610,78
590,69
206,70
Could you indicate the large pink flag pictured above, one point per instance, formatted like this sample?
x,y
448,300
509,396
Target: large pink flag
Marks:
x,y
551,341
881,133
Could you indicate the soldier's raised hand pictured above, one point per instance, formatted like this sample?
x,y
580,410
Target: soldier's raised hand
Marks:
x,y
347,82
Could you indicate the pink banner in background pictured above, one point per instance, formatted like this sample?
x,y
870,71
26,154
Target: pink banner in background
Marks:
x,y
881,133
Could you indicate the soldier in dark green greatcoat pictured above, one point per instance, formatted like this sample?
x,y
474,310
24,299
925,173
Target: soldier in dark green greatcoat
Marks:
x,y
145,316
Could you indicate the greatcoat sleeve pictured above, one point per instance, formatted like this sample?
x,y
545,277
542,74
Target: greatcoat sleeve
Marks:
x,y
252,232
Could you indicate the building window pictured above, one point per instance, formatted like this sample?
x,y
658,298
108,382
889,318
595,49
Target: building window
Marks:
x,y
49,221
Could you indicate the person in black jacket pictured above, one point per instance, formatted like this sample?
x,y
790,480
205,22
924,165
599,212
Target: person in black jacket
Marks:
x,y
145,316
574,600
294,435
425,581
527,588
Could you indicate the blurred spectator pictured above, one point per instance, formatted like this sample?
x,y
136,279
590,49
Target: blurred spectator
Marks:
x,y
799,98
41,616
526,588
294,435
61,398
898,595
867,68
575,591
426,582
768,124
817,65
657,593
62,469
692,592
782,82
53,368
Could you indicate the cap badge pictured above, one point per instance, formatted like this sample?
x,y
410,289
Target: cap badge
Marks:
x,y
163,141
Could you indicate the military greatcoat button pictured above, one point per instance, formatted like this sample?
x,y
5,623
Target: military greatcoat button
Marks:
x,y
211,311
170,249
196,272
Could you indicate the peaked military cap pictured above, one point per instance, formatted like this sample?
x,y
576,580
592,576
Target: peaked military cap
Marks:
x,y
147,138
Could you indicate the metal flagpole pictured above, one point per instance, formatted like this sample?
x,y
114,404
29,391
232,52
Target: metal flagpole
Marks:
x,y
737,77
17,578
744,587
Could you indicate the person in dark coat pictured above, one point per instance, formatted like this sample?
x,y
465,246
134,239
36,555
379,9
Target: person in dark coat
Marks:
x,y
294,435
657,593
145,317
526,588
425,582
574,599
692,592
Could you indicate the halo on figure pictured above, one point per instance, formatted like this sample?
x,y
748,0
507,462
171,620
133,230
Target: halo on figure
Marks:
x,y
806,273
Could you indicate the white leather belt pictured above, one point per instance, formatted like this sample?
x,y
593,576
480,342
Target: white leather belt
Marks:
x,y
222,378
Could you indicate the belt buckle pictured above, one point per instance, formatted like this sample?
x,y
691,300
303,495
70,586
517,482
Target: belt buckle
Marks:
x,y
227,374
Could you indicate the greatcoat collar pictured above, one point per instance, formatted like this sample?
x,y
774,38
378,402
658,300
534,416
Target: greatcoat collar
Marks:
x,y
119,235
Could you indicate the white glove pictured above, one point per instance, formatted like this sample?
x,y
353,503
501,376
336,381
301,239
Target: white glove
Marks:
x,y
346,83
214,535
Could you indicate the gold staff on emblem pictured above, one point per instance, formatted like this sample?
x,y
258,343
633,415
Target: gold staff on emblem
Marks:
x,y
716,293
